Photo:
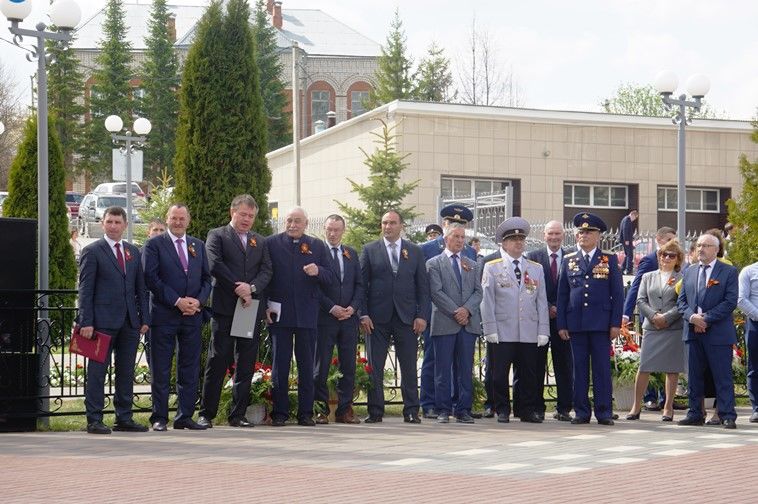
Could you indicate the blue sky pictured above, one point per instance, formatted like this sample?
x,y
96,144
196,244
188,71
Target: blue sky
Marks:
x,y
563,55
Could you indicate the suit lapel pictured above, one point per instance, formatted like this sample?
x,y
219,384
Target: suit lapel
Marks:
x,y
111,255
232,234
172,252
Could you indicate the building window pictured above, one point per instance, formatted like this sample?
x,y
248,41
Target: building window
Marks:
x,y
357,99
463,188
595,196
319,107
698,200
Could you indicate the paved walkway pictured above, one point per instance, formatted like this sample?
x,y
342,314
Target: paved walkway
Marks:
x,y
642,461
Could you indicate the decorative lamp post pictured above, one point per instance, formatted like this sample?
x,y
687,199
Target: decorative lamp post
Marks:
x,y
697,86
141,127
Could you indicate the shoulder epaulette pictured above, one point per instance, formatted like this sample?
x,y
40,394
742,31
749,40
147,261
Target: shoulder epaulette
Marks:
x,y
571,254
495,261
608,252
534,262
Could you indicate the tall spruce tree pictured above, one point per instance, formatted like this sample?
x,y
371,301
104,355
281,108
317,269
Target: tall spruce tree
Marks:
x,y
393,77
22,199
433,79
743,212
221,135
110,93
65,85
160,81
272,87
382,193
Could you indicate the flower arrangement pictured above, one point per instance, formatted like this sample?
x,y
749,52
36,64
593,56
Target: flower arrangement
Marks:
x,y
67,377
625,362
363,372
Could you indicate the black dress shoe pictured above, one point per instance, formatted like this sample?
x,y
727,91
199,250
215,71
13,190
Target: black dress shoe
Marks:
x,y
159,426
129,426
412,418
503,418
688,420
605,421
713,421
306,422
754,417
97,428
579,421
464,418
562,417
239,422
278,422
488,413
531,418
206,422
430,414
188,423
372,419
475,414
630,416
730,424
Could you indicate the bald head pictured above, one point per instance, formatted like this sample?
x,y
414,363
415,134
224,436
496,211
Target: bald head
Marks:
x,y
554,235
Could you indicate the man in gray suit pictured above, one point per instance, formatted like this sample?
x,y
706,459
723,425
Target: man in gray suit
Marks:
x,y
456,294
239,262
397,297
113,299
515,319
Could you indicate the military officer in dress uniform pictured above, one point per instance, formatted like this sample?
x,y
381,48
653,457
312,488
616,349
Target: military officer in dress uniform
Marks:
x,y
455,213
590,304
515,319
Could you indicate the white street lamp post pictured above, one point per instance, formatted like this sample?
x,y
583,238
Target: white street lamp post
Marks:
x,y
141,127
697,86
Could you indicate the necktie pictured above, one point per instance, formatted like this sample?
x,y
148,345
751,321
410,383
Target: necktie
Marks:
x,y
243,239
335,251
587,261
701,284
554,266
120,257
393,254
457,271
182,255
517,271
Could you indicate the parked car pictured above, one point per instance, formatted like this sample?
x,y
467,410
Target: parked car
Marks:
x,y
118,188
3,195
73,199
93,207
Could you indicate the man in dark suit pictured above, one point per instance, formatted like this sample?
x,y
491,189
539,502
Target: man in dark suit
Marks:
x,y
176,272
112,300
707,299
455,213
338,324
240,264
626,238
550,257
300,266
397,310
590,303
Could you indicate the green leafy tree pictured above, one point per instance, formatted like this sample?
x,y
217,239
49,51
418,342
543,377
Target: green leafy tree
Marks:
x,y
65,84
383,192
221,135
433,78
110,93
393,77
631,99
743,212
272,87
22,199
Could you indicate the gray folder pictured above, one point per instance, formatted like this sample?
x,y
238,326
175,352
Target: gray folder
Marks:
x,y
243,323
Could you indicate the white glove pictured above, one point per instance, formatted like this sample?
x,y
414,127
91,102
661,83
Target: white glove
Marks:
x,y
490,338
542,340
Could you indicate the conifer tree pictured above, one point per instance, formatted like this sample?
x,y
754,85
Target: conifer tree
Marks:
x,y
110,93
160,81
433,78
221,134
743,213
272,87
393,77
383,192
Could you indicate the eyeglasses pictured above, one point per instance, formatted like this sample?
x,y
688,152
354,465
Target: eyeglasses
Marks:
x,y
670,255
706,245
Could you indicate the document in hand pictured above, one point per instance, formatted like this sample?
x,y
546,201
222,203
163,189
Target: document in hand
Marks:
x,y
95,349
243,323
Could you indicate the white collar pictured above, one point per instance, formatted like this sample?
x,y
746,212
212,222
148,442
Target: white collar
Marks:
x,y
174,237
112,243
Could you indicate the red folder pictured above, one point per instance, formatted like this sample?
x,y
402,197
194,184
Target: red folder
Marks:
x,y
95,349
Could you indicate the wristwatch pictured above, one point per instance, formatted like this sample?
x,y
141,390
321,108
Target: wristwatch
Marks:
x,y
252,288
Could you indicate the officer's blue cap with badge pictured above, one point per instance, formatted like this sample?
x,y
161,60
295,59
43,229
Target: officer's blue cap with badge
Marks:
x,y
433,228
457,213
589,222
512,226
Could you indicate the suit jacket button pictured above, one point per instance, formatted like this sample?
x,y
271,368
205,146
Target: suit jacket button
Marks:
x,y
586,276
585,304
586,286
586,295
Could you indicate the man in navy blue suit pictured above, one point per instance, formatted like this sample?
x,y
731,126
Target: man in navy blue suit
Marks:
x,y
396,311
590,303
455,213
707,299
550,257
338,324
626,238
112,300
177,274
301,266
